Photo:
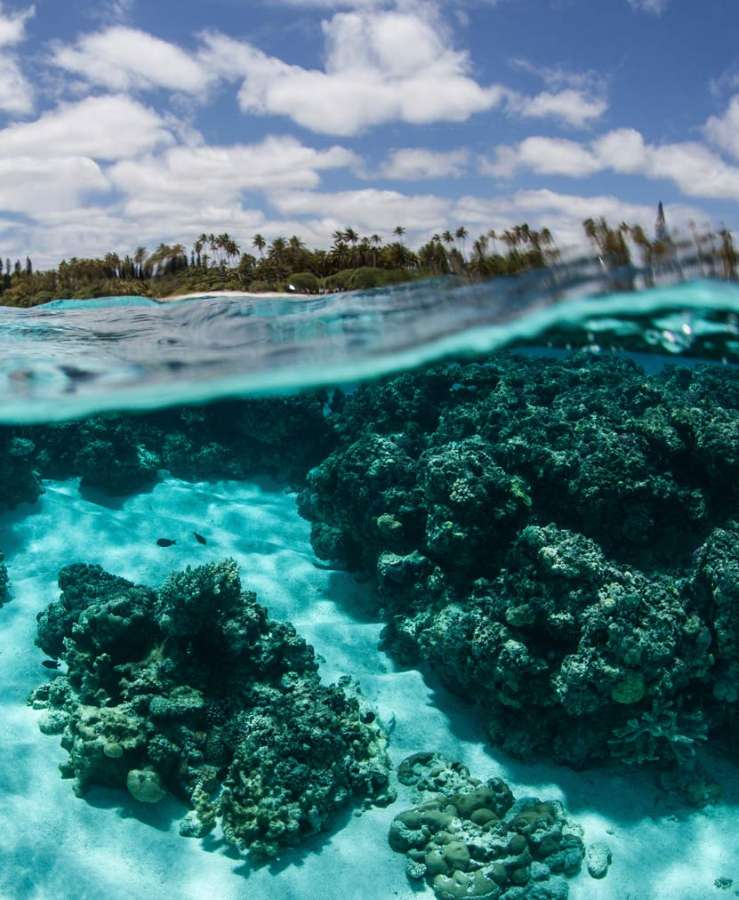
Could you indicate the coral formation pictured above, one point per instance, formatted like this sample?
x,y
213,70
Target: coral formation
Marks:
x,y
4,581
472,838
19,482
557,539
123,454
192,690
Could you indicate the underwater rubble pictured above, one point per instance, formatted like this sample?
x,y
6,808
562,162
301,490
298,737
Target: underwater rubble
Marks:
x,y
192,690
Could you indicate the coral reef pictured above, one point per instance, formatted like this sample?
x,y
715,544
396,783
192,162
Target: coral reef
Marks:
x,y
471,838
123,454
4,581
19,482
192,690
557,539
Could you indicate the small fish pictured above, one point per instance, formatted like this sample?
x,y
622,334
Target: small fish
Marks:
x,y
50,663
165,542
199,538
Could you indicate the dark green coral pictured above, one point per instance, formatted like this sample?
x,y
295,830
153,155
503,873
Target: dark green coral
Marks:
x,y
123,454
4,581
556,538
193,689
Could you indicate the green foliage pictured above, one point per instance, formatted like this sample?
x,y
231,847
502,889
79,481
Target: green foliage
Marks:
x,y
305,282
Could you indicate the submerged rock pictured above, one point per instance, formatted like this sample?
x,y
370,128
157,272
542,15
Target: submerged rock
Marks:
x,y
192,689
599,859
472,838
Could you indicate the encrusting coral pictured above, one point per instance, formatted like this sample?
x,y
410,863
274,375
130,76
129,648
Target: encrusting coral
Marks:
x,y
472,838
192,689
557,539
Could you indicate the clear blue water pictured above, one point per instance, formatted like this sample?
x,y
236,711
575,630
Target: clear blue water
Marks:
x,y
625,468
73,358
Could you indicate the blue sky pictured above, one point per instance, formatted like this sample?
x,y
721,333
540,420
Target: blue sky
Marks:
x,y
131,122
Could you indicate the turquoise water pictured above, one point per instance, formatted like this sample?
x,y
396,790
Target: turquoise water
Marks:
x,y
73,358
427,592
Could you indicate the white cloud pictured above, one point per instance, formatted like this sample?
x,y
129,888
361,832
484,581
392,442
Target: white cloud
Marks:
x,y
724,130
572,106
13,25
654,7
108,11
32,185
545,156
576,98
16,92
415,164
104,128
380,66
370,210
126,59
623,150
196,176
693,167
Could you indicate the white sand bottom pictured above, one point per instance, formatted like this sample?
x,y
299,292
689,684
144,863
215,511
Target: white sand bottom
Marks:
x,y
54,846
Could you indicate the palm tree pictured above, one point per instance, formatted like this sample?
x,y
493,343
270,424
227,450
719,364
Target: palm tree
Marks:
x,y
260,243
376,243
399,231
462,235
139,259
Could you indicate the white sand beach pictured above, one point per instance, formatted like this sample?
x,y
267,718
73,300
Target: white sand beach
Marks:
x,y
54,846
241,295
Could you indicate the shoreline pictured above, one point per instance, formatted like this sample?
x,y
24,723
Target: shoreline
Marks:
x,y
268,295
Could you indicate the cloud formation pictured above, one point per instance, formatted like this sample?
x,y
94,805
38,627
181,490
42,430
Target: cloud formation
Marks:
x,y
692,166
102,128
653,7
16,92
724,130
126,59
379,67
417,164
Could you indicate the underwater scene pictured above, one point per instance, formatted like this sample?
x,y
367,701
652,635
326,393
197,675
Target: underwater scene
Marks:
x,y
425,591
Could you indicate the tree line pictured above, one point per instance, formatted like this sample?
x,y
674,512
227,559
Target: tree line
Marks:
x,y
353,261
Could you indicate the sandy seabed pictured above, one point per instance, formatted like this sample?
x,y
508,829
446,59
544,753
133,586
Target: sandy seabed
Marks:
x,y
54,846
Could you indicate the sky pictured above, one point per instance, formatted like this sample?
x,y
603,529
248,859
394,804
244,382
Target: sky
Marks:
x,y
130,122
